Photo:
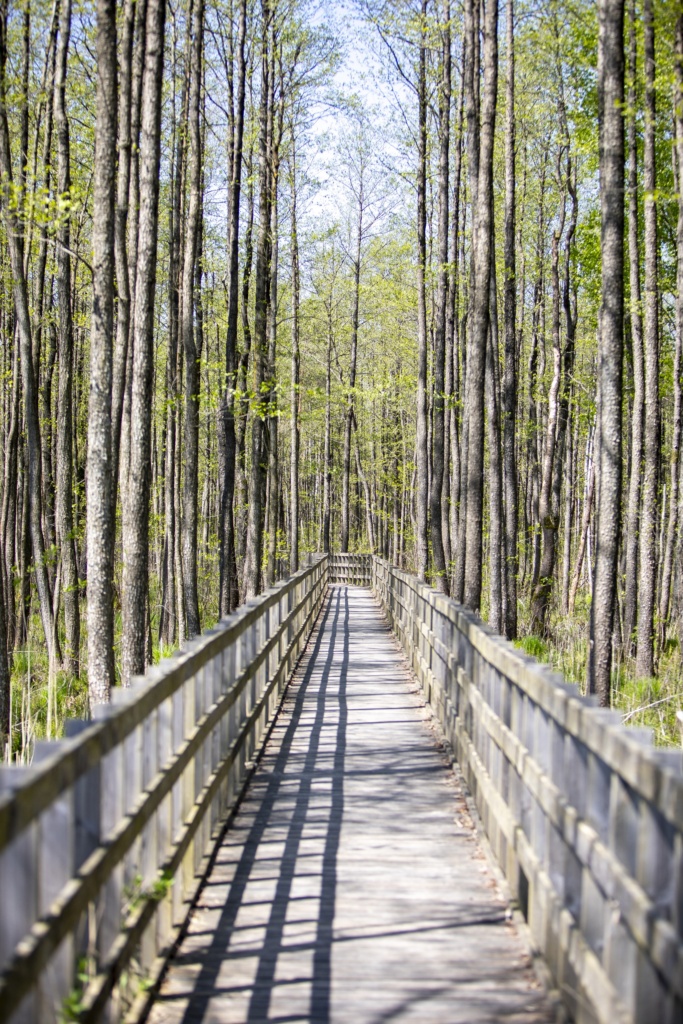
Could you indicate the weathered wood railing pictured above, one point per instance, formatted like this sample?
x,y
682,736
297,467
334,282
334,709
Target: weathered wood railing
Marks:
x,y
354,569
103,840
584,816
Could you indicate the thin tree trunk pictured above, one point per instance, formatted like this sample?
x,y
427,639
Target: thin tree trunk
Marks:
x,y
548,515
327,453
136,506
569,512
294,400
476,354
273,454
585,526
368,496
438,416
100,519
348,421
241,487
188,328
422,549
15,244
674,511
496,534
229,593
647,571
610,342
254,547
636,317
171,610
64,517
509,402
125,154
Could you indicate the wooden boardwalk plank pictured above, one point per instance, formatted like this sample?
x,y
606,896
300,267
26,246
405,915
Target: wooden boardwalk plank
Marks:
x,y
351,888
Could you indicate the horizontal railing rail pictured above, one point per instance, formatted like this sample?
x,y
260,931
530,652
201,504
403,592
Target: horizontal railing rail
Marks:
x,y
353,569
584,815
104,839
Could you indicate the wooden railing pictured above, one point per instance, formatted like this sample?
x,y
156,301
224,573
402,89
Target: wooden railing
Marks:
x,y
584,816
353,569
104,840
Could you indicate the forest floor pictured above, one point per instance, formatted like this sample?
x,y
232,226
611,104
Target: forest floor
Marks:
x,y
41,705
645,703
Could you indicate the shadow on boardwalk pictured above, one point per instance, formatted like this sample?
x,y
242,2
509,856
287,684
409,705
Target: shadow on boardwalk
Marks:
x,y
290,927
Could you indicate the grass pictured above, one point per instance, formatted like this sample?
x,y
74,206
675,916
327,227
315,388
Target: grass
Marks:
x,y
31,693
644,703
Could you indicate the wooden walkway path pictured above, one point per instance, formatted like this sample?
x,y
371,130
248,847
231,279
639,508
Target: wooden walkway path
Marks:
x,y
351,887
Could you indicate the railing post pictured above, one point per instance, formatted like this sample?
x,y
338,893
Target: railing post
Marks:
x,y
20,890
107,917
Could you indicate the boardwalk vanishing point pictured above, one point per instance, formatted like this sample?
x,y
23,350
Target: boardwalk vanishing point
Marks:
x,y
352,887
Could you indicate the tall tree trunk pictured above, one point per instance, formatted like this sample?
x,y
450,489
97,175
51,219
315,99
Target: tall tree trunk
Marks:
x,y
241,483
273,455
123,361
674,485
636,317
171,612
136,505
5,682
100,519
647,572
125,154
610,343
64,518
15,244
10,498
294,399
585,523
188,327
438,417
254,549
496,534
349,415
509,401
422,548
547,514
452,349
229,593
327,450
569,501
476,354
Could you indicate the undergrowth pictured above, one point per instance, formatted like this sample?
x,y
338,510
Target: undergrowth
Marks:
x,y
645,703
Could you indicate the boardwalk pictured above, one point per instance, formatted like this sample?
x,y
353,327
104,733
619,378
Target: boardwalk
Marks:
x,y
351,887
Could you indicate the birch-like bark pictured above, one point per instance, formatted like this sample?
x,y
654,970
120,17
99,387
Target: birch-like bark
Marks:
x,y
496,520
673,526
476,354
509,398
610,342
549,516
422,496
636,318
136,505
187,325
229,592
100,525
64,493
254,545
349,415
438,410
647,551
15,244
294,396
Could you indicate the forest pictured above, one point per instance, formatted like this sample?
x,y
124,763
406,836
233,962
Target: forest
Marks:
x,y
393,276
